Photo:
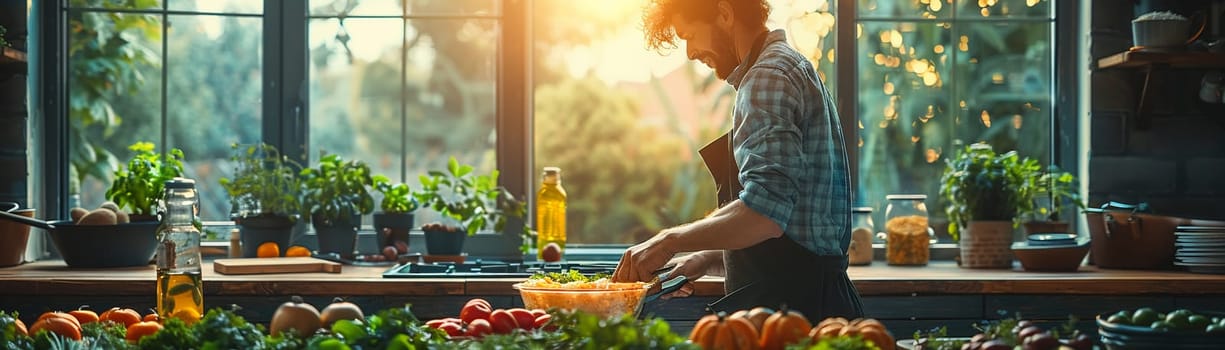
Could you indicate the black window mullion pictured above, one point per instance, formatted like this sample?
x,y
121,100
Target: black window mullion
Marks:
x,y
286,112
514,99
52,52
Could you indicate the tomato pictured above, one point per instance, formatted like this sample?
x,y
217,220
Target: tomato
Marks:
x,y
475,309
542,322
453,329
502,321
479,328
481,301
523,318
434,323
538,312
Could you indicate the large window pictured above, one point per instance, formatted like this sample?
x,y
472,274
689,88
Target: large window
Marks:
x,y
625,124
936,75
405,84
180,74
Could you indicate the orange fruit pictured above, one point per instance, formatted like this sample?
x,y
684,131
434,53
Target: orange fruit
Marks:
x,y
297,251
188,316
151,317
141,329
63,315
125,317
57,325
84,316
268,250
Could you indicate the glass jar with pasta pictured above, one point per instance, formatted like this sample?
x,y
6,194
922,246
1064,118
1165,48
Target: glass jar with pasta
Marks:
x,y
907,234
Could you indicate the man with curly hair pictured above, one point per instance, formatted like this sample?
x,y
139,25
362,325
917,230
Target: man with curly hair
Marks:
x,y
781,233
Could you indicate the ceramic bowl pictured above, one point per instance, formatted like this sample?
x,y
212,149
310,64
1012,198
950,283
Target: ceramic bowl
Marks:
x,y
1051,258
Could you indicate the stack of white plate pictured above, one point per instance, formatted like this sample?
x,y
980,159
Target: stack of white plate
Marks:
x,y
1200,248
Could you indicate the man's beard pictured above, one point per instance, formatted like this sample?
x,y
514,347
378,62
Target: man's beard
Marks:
x,y
725,58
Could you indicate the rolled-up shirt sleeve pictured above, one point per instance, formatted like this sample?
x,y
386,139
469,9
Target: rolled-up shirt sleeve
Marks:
x,y
767,143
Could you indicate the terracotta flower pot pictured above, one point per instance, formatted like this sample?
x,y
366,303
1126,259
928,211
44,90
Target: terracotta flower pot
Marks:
x,y
13,239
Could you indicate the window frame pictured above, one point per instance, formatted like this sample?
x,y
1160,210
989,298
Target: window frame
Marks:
x,y
286,109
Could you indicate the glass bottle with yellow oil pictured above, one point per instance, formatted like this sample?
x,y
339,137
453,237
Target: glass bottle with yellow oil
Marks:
x,y
180,292
551,217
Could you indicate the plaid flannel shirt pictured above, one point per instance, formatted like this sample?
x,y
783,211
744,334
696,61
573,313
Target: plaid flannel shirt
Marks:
x,y
787,141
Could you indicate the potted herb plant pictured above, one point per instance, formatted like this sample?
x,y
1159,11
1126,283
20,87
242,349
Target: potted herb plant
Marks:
x,y
468,202
395,219
263,196
985,192
138,186
1053,192
335,195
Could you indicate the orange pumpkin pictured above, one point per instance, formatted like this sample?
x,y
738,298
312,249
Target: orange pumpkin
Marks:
x,y
868,329
722,332
756,316
783,328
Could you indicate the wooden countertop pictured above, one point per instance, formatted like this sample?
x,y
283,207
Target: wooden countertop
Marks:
x,y
54,278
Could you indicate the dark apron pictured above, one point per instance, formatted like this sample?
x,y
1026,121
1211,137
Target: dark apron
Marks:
x,y
777,271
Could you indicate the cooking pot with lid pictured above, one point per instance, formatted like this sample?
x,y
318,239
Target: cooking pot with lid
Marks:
x,y
1125,237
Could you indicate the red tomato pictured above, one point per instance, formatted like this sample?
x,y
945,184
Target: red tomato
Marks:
x,y
502,321
479,328
453,329
434,323
475,310
538,312
542,323
523,318
479,300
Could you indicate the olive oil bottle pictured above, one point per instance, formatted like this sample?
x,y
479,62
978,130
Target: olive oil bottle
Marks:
x,y
180,292
551,215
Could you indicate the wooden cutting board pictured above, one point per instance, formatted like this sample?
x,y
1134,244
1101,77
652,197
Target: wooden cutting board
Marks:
x,y
248,266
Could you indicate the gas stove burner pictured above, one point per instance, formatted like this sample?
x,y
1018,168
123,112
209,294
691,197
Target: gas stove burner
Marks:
x,y
493,269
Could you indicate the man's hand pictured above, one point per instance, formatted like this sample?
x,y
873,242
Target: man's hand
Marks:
x,y
693,267
640,262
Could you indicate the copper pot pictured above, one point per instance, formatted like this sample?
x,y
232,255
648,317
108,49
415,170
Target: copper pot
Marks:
x,y
1125,238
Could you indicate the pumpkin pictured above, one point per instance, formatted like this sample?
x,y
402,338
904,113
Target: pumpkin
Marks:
x,y
866,328
719,331
782,328
340,310
300,317
757,316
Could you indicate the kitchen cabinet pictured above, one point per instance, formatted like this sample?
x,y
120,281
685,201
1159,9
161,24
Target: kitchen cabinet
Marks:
x,y
1153,63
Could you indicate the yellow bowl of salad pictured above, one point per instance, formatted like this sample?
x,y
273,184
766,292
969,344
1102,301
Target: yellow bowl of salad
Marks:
x,y
596,294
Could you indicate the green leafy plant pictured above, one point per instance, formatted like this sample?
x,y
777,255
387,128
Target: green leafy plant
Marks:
x,y
264,183
336,189
397,197
473,201
1054,191
139,186
3,43
980,184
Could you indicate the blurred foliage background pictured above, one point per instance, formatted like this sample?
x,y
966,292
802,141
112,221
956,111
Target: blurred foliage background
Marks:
x,y
623,123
